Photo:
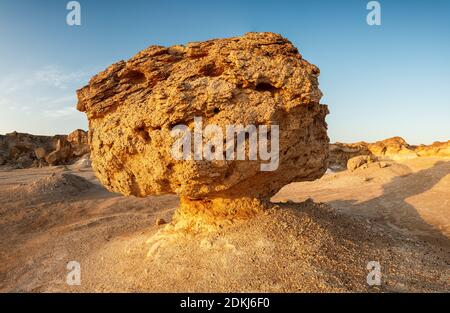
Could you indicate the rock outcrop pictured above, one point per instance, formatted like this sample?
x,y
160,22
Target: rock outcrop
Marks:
x,y
257,79
393,149
437,149
20,150
341,153
79,142
359,161
61,154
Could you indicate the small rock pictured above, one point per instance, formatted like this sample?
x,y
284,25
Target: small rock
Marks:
x,y
160,221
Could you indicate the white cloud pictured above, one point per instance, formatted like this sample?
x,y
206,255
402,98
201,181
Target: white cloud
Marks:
x,y
44,94
63,112
4,102
46,87
57,101
59,78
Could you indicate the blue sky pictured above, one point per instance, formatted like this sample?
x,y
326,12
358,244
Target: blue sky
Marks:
x,y
379,81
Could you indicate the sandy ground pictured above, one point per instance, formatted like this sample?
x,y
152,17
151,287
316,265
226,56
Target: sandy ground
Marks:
x,y
397,216
412,195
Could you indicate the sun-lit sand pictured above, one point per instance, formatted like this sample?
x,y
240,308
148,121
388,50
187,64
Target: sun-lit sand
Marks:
x,y
397,215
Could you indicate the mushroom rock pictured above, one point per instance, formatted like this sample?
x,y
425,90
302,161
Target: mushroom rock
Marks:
x,y
258,79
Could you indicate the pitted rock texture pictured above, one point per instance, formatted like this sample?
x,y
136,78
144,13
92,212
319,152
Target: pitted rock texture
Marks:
x,y
256,79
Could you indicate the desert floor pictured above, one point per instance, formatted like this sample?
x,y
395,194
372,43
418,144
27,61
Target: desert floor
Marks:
x,y
319,236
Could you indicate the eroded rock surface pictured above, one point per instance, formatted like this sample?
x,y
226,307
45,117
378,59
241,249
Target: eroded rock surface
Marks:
x,y
256,79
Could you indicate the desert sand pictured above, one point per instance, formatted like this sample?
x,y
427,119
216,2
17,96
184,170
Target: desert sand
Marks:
x,y
319,235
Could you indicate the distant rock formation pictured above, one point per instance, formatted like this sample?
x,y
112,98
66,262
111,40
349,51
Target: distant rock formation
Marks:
x,y
61,154
395,148
340,153
256,79
392,149
79,142
359,161
437,149
20,150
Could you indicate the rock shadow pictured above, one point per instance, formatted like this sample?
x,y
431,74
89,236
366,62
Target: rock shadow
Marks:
x,y
393,209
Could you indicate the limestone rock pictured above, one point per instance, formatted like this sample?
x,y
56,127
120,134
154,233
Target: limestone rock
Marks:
x,y
340,153
53,158
79,142
359,161
393,149
17,149
24,150
78,137
62,153
256,79
437,149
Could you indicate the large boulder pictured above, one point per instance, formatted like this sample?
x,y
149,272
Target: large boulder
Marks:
x,y
258,79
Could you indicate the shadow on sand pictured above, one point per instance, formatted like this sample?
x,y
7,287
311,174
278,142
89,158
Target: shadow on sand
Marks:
x,y
393,209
